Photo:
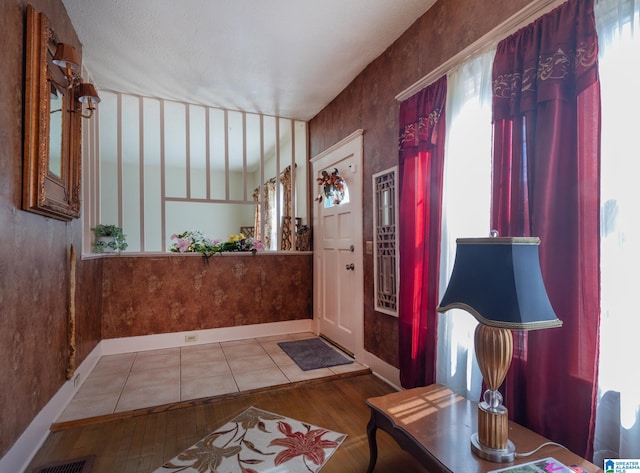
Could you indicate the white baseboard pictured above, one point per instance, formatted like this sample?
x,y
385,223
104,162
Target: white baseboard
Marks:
x,y
383,370
17,459
114,346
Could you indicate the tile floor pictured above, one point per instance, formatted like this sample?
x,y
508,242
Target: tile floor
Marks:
x,y
131,381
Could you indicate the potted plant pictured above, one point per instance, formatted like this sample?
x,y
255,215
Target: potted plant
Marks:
x,y
108,239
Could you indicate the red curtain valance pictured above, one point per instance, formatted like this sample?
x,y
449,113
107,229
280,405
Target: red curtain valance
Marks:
x,y
419,118
555,57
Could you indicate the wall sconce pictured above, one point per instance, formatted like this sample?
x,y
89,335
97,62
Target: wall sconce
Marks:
x,y
84,92
499,282
87,94
67,59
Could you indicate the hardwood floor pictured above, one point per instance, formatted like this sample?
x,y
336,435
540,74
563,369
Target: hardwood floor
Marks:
x,y
142,443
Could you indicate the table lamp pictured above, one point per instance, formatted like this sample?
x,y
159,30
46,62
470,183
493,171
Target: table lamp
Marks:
x,y
498,281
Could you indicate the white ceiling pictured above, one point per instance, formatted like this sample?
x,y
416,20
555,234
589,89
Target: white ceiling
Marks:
x,y
287,58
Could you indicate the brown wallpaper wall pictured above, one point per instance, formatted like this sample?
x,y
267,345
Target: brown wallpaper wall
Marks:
x,y
34,250
34,255
173,293
368,103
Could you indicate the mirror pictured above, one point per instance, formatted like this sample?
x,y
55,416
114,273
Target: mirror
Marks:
x,y
51,179
56,107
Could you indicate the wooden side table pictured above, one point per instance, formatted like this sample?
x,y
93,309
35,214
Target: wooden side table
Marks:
x,y
435,426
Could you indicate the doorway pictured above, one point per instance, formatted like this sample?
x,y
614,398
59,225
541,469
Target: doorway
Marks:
x,y
337,246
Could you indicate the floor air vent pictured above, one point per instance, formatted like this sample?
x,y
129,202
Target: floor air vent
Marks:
x,y
81,465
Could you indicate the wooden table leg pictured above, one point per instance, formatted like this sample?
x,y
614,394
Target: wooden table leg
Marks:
x,y
373,446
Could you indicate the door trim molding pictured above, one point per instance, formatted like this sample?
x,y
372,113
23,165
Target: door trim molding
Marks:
x,y
336,146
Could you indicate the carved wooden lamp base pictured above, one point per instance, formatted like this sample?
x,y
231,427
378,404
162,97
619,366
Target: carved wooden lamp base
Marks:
x,y
494,349
491,442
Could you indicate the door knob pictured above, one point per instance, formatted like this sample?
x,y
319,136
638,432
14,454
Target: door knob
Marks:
x,y
350,266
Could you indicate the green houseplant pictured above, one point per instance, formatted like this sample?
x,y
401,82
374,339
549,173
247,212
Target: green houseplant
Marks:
x,y
108,239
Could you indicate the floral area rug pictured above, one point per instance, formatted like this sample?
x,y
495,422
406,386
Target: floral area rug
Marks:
x,y
258,441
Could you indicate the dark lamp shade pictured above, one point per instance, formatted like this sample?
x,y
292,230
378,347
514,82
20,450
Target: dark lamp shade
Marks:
x,y
85,92
66,56
499,282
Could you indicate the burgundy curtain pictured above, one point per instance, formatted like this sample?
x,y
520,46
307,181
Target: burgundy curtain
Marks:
x,y
546,105
421,161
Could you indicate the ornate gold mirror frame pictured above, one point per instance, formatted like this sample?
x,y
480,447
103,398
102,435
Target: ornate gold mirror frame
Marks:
x,y
52,128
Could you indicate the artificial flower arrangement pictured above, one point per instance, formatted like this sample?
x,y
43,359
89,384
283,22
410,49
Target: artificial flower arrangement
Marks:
x,y
332,185
193,241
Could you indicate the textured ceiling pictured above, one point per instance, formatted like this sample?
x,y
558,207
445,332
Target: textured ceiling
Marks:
x,y
287,58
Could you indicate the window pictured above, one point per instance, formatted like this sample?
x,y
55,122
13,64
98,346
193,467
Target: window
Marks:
x,y
466,201
166,167
617,434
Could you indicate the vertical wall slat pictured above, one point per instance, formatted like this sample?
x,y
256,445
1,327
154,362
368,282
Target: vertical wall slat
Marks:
x,y
292,202
119,158
207,124
278,215
261,192
141,167
226,155
90,175
163,218
187,134
244,156
95,207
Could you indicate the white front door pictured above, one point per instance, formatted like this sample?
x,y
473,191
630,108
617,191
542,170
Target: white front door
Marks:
x,y
338,255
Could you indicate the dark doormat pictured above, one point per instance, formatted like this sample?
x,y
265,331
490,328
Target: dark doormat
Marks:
x,y
79,465
313,353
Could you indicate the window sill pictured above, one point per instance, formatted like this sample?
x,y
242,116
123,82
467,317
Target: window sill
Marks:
x,y
88,256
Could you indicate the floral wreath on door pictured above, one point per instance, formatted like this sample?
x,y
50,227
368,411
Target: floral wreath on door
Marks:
x,y
333,187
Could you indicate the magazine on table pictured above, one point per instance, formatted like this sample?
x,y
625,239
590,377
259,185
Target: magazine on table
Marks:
x,y
546,465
